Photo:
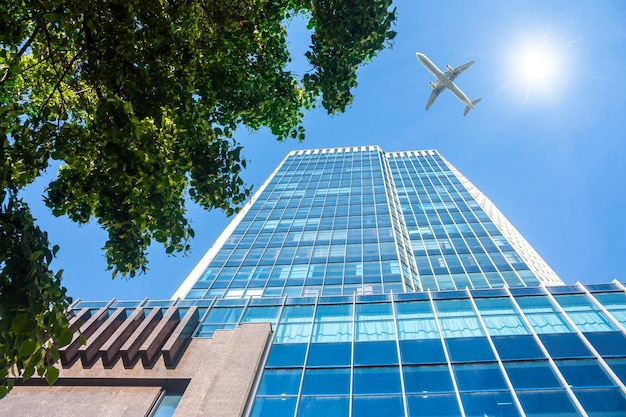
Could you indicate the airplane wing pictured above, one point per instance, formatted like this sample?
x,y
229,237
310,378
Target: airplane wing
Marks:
x,y
454,72
434,95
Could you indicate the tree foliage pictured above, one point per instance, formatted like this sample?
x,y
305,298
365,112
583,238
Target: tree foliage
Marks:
x,y
139,100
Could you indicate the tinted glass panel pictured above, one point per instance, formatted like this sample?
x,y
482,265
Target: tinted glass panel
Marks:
x,y
426,379
608,344
323,406
286,355
478,377
547,404
329,354
517,348
422,351
326,381
377,406
375,353
488,404
584,373
535,374
280,382
565,346
273,407
470,350
602,402
384,380
442,405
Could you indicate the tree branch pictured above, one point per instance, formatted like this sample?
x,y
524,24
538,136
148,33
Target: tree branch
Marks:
x,y
21,52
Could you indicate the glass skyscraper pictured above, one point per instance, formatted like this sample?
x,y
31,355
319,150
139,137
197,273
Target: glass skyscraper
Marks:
x,y
396,288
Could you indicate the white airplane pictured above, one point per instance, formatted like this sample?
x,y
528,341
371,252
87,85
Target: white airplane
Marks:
x,y
445,80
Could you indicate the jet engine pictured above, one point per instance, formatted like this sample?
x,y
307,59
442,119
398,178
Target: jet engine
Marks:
x,y
449,68
432,85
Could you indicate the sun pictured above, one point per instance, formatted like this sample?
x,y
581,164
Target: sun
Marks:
x,y
538,68
538,65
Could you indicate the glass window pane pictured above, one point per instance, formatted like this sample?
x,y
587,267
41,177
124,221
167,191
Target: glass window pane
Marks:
x,y
479,377
261,314
383,380
292,333
326,381
388,406
584,373
608,344
481,404
422,351
441,405
471,349
505,325
280,382
297,314
323,406
291,355
334,312
517,348
329,354
273,407
602,402
566,345
374,311
375,330
531,374
427,379
167,405
424,328
332,332
547,404
375,353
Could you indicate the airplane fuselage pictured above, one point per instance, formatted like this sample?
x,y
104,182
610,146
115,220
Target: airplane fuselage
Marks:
x,y
444,80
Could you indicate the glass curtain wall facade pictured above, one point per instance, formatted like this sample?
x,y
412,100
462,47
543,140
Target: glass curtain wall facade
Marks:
x,y
396,288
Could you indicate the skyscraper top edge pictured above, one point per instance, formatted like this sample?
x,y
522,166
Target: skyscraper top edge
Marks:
x,y
369,148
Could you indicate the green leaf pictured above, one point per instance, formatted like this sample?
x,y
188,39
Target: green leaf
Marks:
x,y
52,374
28,348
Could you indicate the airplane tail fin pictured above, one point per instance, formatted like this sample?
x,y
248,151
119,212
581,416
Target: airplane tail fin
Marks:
x,y
468,108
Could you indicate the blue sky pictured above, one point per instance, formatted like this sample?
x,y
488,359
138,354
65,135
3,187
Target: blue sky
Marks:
x,y
549,153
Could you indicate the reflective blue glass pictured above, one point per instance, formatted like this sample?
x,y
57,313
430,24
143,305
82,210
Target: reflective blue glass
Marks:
x,y
517,347
261,314
479,377
374,311
608,343
380,380
274,407
286,355
584,373
547,404
471,349
167,405
326,381
531,374
481,404
224,315
375,353
298,313
329,354
388,406
602,402
428,405
323,406
422,351
373,330
619,367
280,382
427,379
567,345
